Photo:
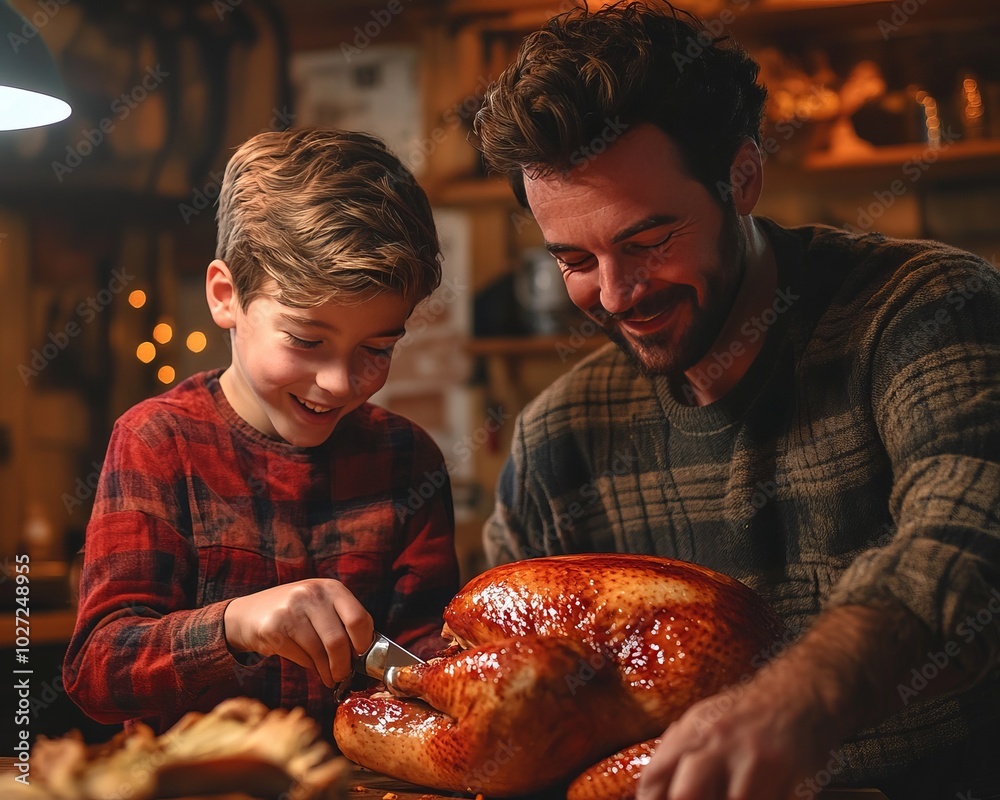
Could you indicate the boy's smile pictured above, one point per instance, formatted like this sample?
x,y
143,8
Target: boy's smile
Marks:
x,y
296,372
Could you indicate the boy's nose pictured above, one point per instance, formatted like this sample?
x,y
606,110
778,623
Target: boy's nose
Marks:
x,y
335,379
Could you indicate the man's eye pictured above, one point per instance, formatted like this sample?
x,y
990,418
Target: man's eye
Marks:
x,y
652,245
305,344
578,263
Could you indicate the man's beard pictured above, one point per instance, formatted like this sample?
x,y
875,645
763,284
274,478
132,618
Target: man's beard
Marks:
x,y
656,354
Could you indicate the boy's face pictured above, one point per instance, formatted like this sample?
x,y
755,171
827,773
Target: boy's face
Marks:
x,y
297,372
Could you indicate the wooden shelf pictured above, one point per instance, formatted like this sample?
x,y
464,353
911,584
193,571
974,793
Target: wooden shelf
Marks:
x,y
898,155
472,191
978,157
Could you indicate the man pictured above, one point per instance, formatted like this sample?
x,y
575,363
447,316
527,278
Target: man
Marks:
x,y
813,412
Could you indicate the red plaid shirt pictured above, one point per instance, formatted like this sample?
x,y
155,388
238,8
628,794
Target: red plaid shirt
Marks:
x,y
196,507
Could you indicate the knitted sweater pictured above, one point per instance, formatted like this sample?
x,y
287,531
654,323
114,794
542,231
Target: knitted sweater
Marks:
x,y
857,461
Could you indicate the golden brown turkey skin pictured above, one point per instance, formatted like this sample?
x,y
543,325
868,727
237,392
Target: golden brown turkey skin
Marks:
x,y
472,735
615,777
571,658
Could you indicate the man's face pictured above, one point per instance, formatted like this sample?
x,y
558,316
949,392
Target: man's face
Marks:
x,y
297,372
644,249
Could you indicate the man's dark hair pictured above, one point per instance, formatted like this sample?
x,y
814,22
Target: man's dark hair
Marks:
x,y
587,75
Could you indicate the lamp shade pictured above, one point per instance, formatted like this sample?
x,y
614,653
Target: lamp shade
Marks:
x,y
31,90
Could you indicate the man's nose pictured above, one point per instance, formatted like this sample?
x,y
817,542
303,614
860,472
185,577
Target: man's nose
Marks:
x,y
620,286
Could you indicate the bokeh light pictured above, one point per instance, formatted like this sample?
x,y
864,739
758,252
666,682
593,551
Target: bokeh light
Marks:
x,y
163,333
197,341
146,352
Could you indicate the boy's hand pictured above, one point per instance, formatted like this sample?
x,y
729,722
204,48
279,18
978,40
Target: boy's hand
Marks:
x,y
316,623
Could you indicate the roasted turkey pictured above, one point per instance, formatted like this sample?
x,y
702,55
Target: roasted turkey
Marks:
x,y
561,662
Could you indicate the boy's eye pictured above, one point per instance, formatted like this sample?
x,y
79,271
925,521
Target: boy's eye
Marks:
x,y
381,351
305,344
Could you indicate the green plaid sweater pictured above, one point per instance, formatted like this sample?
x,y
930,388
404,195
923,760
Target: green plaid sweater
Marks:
x,y
858,461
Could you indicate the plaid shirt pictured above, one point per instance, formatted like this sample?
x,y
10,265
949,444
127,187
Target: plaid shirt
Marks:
x,y
196,507
858,461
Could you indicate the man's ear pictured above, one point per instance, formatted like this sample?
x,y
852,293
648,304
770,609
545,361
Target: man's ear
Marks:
x,y
746,177
221,294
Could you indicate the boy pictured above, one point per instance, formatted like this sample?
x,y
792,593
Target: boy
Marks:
x,y
244,539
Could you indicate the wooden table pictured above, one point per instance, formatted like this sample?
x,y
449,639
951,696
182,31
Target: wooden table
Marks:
x,y
365,785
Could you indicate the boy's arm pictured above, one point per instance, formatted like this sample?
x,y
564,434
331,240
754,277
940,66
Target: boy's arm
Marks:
x,y
141,648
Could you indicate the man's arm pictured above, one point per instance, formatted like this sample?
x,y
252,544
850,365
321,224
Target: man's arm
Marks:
x,y
768,738
933,356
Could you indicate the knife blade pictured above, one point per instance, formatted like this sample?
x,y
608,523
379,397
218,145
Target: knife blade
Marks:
x,y
382,658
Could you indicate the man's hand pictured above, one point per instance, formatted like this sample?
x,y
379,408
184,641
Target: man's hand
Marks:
x,y
756,741
316,623
763,738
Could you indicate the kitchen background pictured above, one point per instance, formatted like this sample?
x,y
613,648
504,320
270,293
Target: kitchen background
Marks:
x,y
881,116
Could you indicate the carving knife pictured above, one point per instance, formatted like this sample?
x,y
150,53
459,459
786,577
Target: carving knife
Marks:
x,y
381,660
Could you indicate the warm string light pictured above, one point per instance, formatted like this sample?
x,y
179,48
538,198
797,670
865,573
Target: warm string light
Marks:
x,y
196,341
163,333
931,118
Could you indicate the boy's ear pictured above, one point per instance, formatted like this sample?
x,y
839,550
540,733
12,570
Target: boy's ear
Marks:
x,y
746,177
221,294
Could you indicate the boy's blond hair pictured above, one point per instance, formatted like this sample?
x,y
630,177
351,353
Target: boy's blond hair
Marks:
x,y
327,215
